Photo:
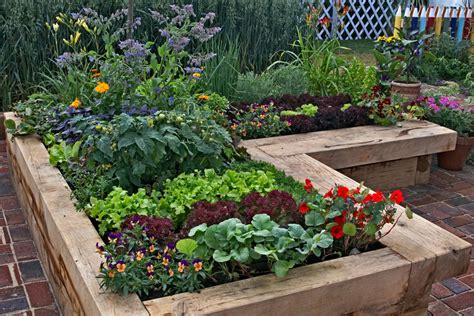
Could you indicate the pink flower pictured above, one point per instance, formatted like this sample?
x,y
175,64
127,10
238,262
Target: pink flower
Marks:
x,y
431,100
444,101
434,107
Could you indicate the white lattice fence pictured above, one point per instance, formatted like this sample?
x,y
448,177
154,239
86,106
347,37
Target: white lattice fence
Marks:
x,y
367,19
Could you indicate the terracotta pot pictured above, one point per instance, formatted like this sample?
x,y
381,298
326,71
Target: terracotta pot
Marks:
x,y
455,160
411,90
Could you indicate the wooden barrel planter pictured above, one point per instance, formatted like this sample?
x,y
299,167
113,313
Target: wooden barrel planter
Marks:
x,y
393,280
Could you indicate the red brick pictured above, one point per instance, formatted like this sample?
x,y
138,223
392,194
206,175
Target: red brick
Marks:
x,y
39,294
439,214
3,222
462,185
15,217
440,291
9,203
459,220
459,201
423,201
468,229
31,271
4,236
19,232
440,309
443,195
468,312
11,293
467,191
46,311
5,276
461,301
468,280
25,250
16,271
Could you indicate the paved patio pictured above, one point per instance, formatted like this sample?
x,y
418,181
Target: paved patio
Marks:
x,y
447,201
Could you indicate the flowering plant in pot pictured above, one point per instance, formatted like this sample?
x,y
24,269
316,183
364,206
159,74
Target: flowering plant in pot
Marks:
x,y
447,112
397,59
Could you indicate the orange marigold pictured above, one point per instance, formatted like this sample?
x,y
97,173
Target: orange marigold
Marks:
x,y
102,87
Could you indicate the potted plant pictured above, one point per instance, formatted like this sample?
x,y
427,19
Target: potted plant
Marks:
x,y
397,58
448,113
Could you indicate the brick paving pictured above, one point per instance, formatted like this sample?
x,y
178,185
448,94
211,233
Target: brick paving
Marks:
x,y
448,201
24,288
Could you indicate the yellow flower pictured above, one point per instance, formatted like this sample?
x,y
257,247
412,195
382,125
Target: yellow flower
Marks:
x,y
102,87
152,248
197,266
171,272
203,97
381,39
196,75
139,256
55,27
111,273
76,103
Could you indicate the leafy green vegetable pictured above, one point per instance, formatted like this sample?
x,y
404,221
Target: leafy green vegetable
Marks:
x,y
180,193
119,204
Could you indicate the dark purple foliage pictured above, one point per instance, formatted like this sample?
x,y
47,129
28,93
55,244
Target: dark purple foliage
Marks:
x,y
279,205
329,115
210,213
162,229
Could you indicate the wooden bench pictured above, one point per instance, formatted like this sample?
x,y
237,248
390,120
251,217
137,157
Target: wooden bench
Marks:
x,y
382,157
390,281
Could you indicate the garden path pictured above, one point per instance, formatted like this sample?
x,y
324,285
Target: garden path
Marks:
x,y
448,201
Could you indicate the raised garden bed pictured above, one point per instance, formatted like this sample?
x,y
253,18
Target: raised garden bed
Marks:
x,y
399,276
381,157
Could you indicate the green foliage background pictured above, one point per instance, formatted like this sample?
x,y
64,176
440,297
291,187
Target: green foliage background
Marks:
x,y
261,27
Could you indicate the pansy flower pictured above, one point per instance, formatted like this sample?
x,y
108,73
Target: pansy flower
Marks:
x,y
166,260
197,264
99,249
121,266
182,265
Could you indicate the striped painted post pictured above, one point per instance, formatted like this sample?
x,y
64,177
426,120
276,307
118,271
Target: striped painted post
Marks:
x,y
398,23
423,20
467,25
439,21
453,22
446,20
414,19
406,22
431,20
461,19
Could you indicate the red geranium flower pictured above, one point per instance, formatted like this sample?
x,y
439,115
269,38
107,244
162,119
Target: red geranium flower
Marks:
x,y
341,219
359,214
397,196
336,232
342,191
328,195
308,186
304,208
377,197
356,190
367,198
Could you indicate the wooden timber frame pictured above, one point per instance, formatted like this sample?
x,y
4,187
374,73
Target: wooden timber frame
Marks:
x,y
395,280
382,157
